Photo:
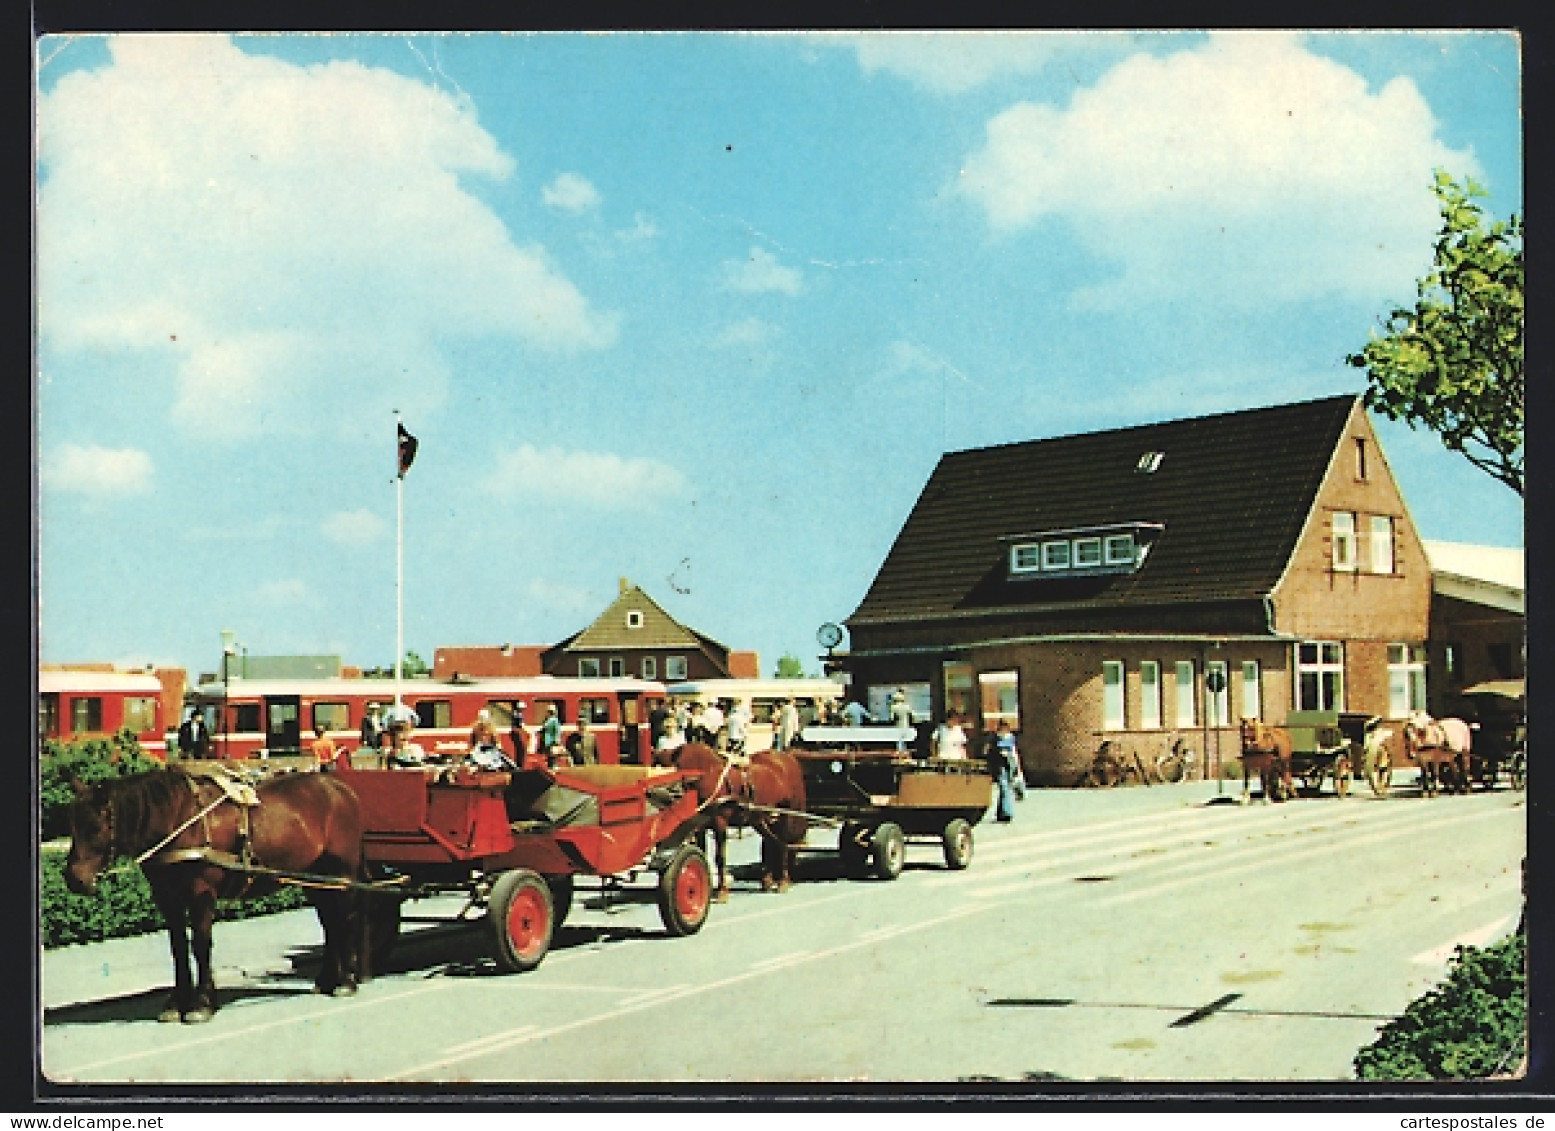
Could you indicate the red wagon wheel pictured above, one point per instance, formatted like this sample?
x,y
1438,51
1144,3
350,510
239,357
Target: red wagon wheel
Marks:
x,y
522,919
685,891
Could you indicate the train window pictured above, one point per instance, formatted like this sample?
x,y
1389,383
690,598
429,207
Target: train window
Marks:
x,y
542,704
594,710
140,714
48,713
86,714
588,668
245,718
434,713
332,716
674,667
501,711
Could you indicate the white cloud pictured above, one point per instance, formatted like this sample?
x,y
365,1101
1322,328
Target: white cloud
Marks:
x,y
262,227
597,478
1243,171
956,62
642,229
354,528
98,471
746,332
570,193
760,271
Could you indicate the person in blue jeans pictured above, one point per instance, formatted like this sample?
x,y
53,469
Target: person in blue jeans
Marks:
x,y
1005,755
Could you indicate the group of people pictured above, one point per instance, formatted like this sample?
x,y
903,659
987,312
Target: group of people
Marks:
x,y
949,743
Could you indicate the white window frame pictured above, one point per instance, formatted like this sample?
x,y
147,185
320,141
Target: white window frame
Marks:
x,y
1091,549
588,668
675,667
1119,549
1217,704
1114,713
1149,695
650,667
1381,548
1055,555
634,618
1187,698
1328,661
1252,690
1342,524
1406,679
1025,557
617,667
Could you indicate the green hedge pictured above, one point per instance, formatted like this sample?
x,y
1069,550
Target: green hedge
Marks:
x,y
1471,1026
123,906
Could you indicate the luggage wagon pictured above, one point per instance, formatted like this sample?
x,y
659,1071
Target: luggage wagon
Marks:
x,y
515,845
1499,713
884,798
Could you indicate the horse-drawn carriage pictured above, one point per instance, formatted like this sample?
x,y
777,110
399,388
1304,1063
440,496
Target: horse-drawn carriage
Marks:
x,y
867,779
1498,711
515,844
1316,747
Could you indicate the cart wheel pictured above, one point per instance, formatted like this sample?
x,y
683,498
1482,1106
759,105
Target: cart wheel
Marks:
x,y
685,891
1381,774
958,844
521,919
1342,776
853,847
561,898
889,851
1312,780
381,921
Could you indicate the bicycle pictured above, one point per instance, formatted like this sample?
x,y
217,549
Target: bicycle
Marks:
x,y
1109,768
1176,763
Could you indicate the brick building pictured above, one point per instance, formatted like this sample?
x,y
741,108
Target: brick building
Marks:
x,y
1140,582
635,637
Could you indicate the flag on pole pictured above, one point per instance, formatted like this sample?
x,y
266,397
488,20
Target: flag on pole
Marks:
x,y
408,445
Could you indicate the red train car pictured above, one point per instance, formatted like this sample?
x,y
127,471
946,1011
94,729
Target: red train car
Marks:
x,y
78,704
253,718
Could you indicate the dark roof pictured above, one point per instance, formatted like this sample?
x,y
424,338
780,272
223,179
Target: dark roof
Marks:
x,y
1232,492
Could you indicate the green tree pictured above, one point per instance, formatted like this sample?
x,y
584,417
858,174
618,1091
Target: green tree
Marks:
x,y
788,667
1454,363
414,665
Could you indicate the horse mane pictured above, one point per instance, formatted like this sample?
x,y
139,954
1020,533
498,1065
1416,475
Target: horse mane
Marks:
x,y
142,805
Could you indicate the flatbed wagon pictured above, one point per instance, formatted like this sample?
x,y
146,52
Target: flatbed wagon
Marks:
x,y
515,845
884,798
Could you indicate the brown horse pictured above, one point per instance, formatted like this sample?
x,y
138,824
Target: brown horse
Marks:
x,y
1441,748
181,828
1266,750
766,795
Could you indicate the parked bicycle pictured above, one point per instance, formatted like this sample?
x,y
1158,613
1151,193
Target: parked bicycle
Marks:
x,y
1176,763
1111,767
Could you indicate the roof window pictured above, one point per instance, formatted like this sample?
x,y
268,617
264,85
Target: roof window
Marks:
x,y
1149,462
1113,548
634,618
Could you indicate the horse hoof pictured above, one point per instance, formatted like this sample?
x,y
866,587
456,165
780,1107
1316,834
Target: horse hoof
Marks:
x,y
721,895
198,1016
346,989
784,885
171,1013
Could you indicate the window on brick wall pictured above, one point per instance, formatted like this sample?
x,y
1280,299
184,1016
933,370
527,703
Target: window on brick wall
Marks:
x,y
1343,523
1252,690
1187,698
1381,544
1217,694
1150,694
1112,695
1406,679
1319,676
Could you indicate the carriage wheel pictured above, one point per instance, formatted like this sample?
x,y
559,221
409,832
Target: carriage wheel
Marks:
x,y
1312,779
1342,776
958,844
853,848
522,919
685,891
890,851
561,898
1380,776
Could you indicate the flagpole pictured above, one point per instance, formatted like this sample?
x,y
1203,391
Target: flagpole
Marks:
x,y
399,570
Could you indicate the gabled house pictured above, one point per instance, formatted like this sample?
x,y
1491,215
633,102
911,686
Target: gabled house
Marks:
x,y
635,637
1143,582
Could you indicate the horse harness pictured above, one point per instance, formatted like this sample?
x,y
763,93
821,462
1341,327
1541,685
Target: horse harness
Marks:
x,y
243,862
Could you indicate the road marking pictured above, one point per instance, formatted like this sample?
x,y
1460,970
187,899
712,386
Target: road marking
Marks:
x,y
1219,871
1439,955
494,1041
649,995
781,960
708,987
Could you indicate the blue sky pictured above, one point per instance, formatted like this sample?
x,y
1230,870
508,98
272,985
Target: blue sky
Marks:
x,y
698,310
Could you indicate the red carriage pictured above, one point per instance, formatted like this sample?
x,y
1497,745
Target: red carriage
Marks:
x,y
515,843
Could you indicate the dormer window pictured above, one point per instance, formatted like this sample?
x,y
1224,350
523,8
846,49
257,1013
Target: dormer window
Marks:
x,y
1149,462
634,619
1116,547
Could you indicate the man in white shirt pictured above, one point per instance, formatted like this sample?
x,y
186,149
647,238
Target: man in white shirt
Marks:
x,y
739,722
950,740
713,721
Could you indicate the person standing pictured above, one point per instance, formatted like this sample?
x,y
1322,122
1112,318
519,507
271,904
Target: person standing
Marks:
x,y
786,727
739,725
656,718
901,717
669,742
518,736
194,737
323,748
372,727
1003,754
551,734
950,741
713,725
582,746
